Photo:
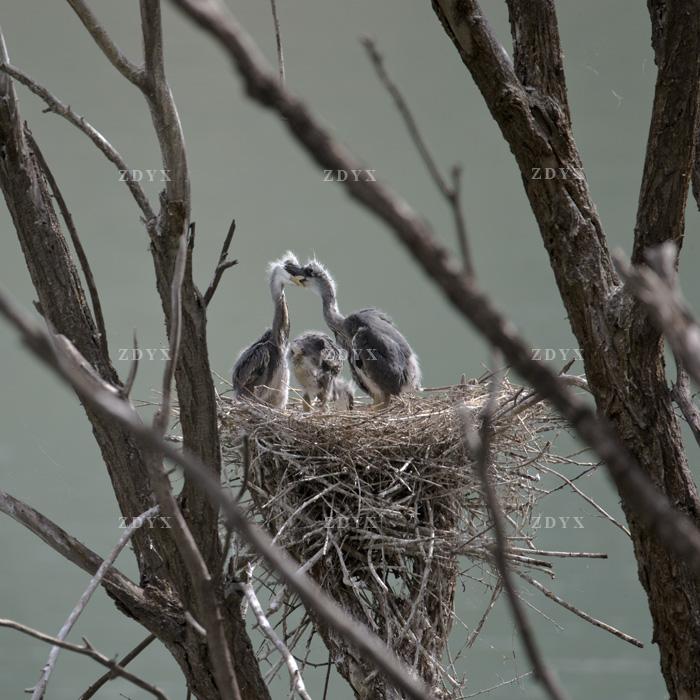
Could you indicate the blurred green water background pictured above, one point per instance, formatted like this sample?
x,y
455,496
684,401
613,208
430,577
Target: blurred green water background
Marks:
x,y
243,165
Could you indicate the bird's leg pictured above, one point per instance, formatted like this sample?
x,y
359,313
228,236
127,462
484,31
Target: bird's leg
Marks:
x,y
379,403
323,398
307,403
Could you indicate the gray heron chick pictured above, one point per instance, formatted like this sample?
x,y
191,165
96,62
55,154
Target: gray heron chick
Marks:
x,y
261,371
316,361
382,362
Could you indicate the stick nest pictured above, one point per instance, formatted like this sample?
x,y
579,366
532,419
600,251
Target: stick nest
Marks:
x,y
380,506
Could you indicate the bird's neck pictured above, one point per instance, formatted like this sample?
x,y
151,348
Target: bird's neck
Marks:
x,y
280,321
331,313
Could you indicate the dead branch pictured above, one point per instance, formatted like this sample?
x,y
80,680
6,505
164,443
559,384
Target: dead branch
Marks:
x,y
278,39
290,661
655,287
77,243
63,110
130,71
110,675
86,650
680,392
583,615
121,587
133,369
451,192
40,688
222,265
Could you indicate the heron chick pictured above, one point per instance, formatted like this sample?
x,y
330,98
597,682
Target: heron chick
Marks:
x,y
261,371
316,361
382,362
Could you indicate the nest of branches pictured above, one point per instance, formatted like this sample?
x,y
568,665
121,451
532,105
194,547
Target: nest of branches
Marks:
x,y
380,508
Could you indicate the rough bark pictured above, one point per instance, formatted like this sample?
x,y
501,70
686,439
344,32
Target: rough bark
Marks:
x,y
623,354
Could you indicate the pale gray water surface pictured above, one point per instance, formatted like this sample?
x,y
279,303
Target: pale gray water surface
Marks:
x,y
243,164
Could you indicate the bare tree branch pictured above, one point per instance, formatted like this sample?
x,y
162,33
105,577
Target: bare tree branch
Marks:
x,y
121,587
86,650
130,71
583,615
451,192
674,127
310,594
222,265
63,110
278,40
658,292
160,421
266,627
40,688
481,447
110,675
77,243
164,112
207,603
680,392
133,369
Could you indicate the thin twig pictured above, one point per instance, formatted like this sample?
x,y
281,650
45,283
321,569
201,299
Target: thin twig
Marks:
x,y
278,40
77,243
40,688
63,110
481,447
266,627
130,71
451,192
133,369
87,650
680,392
585,497
222,265
160,422
126,659
584,616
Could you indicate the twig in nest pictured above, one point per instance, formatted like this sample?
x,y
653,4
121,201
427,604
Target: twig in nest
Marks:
x,y
585,616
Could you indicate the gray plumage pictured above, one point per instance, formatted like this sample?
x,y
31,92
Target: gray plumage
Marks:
x,y
382,362
261,371
316,362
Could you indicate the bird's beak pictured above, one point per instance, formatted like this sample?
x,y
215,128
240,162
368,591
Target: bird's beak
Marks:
x,y
299,280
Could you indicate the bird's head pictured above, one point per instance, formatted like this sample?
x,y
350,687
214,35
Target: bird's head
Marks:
x,y
283,268
313,275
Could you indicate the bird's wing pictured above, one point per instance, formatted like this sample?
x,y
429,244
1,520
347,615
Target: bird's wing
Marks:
x,y
366,316
251,367
379,354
